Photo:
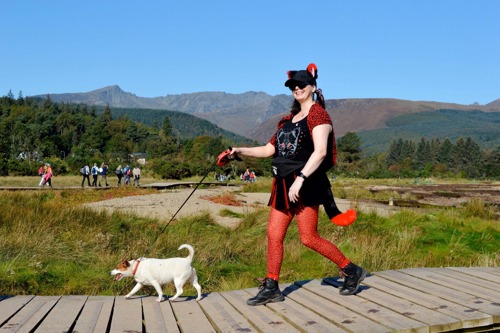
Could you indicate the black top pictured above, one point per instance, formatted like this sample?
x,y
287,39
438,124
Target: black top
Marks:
x,y
293,147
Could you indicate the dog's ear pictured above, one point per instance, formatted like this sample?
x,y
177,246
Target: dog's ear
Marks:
x,y
126,263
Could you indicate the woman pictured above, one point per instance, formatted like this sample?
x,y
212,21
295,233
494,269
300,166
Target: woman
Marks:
x,y
303,149
103,171
119,174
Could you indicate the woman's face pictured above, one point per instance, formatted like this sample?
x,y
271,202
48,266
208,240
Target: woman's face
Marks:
x,y
304,94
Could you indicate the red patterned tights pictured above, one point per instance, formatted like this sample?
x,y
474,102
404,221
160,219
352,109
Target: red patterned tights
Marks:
x,y
307,219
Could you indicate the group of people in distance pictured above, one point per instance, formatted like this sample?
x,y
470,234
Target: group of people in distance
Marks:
x,y
248,176
100,175
95,172
127,173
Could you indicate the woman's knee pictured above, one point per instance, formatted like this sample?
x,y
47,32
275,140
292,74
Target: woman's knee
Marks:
x,y
309,241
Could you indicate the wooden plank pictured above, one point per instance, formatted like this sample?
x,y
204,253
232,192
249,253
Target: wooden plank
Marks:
x,y
63,315
168,317
10,305
469,317
223,315
190,317
261,317
387,317
302,317
437,321
452,283
474,302
467,278
490,270
30,315
127,315
484,275
158,317
338,314
95,315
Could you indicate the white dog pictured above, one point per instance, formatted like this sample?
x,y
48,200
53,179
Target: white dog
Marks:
x,y
158,272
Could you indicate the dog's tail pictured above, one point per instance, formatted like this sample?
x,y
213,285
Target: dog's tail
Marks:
x,y
190,249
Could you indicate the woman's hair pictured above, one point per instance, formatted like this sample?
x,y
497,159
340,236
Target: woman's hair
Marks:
x,y
319,99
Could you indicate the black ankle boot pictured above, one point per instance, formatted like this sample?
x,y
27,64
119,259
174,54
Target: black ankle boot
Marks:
x,y
269,292
353,275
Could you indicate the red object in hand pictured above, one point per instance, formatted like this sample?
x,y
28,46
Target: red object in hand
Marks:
x,y
225,157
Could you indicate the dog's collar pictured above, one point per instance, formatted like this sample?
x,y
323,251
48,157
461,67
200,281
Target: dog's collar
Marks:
x,y
138,261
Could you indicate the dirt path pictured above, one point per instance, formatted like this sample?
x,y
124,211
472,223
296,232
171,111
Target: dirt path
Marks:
x,y
164,204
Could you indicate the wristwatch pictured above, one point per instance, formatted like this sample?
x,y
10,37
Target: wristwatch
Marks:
x,y
302,175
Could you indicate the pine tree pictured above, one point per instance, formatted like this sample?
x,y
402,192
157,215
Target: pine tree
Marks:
x,y
167,127
491,163
394,154
446,154
349,147
106,115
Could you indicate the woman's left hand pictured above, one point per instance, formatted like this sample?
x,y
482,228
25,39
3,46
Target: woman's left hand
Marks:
x,y
293,193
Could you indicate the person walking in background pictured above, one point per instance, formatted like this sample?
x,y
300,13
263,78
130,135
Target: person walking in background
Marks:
x,y
41,173
85,172
246,175
47,177
136,173
95,173
103,170
126,175
119,174
303,149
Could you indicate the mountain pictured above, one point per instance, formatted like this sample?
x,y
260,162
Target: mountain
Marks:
x,y
356,115
482,127
255,114
495,103
237,113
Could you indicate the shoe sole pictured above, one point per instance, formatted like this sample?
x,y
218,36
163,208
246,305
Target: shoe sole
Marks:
x,y
363,275
273,300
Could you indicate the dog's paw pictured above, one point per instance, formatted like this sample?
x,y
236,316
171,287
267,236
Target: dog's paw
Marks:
x,y
127,296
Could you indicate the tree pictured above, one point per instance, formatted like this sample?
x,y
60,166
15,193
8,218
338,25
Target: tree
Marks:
x,y
106,115
467,157
349,147
422,155
394,154
167,127
446,154
492,163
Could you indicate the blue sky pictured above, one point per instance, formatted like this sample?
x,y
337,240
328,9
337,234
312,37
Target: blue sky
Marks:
x,y
429,50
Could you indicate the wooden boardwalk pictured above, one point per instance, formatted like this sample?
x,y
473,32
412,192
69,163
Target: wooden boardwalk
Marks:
x,y
407,300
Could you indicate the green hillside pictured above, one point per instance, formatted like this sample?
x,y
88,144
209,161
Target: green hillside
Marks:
x,y
482,127
184,125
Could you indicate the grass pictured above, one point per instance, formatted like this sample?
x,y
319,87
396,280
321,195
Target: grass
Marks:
x,y
50,244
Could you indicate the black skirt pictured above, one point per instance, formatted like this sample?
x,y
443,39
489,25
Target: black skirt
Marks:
x,y
312,193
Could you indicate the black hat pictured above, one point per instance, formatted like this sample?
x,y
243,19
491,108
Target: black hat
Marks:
x,y
310,75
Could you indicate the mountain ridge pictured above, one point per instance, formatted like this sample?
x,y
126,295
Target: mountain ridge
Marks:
x,y
255,114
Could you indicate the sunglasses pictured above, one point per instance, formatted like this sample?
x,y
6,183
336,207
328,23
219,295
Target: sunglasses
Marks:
x,y
299,84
